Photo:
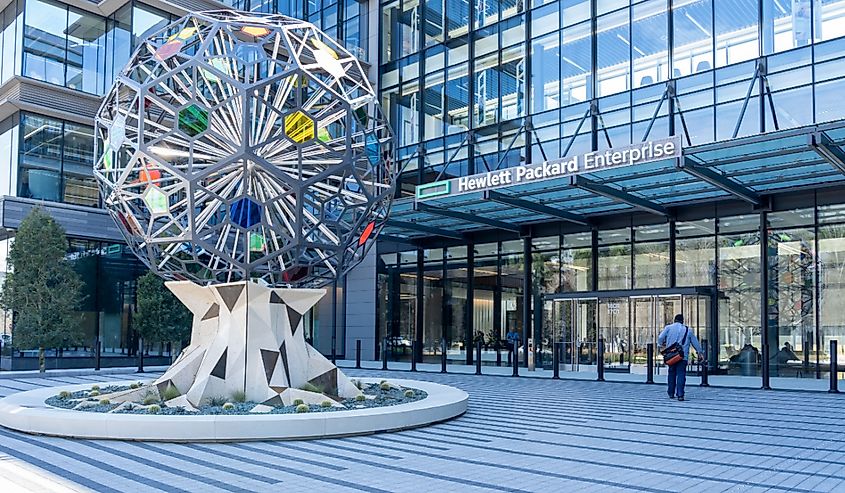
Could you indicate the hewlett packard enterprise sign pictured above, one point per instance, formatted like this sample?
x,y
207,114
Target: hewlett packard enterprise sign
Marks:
x,y
655,150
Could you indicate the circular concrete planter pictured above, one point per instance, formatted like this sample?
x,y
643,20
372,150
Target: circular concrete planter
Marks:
x,y
27,412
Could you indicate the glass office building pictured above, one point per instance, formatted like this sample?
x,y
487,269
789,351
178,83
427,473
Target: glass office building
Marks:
x,y
743,232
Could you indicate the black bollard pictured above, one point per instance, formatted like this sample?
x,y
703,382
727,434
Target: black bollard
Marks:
x,y
704,374
600,363
834,368
384,353
413,355
515,360
443,355
498,356
650,362
556,361
358,354
478,357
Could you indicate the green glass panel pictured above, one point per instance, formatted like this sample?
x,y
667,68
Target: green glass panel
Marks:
x,y
193,120
156,201
256,242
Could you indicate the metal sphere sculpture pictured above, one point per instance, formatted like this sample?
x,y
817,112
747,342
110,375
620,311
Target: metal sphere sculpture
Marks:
x,y
237,146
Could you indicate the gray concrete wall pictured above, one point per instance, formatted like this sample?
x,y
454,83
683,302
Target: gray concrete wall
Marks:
x,y
361,308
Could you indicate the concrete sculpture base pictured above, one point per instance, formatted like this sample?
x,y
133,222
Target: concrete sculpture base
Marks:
x,y
27,412
247,338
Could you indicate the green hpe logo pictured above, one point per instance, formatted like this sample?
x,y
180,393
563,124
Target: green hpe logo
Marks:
x,y
435,189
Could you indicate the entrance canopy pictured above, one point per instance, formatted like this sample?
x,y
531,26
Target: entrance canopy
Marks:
x,y
744,169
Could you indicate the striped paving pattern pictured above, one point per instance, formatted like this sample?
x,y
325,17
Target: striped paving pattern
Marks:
x,y
519,435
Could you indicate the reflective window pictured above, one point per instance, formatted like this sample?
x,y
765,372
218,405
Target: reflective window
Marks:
x,y
649,42
693,38
575,62
55,161
44,41
86,51
736,31
613,53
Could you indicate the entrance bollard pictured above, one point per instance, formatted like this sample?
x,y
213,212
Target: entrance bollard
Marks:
x,y
498,356
478,357
600,362
556,361
650,362
384,353
704,373
358,354
834,368
443,355
413,355
515,360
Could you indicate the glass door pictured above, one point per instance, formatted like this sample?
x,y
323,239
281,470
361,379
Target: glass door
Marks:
x,y
615,327
644,323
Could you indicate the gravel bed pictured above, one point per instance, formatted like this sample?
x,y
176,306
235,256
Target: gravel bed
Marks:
x,y
380,398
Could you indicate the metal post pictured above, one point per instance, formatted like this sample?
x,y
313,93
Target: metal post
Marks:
x,y
515,359
650,362
443,355
704,374
358,354
556,361
413,355
384,353
140,354
834,368
478,357
600,362
498,355
97,351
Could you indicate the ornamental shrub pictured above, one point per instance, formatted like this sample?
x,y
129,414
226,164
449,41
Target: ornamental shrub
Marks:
x,y
302,408
171,392
154,409
94,393
228,406
409,393
64,394
105,402
384,386
150,398
297,402
95,387
239,396
326,404
360,397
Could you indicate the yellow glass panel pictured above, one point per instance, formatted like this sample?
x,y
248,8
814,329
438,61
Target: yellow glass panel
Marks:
x,y
255,31
156,201
324,47
299,127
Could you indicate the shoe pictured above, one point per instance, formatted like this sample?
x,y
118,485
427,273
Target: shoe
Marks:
x,y
680,398
671,396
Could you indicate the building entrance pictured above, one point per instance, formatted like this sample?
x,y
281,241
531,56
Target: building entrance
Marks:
x,y
627,321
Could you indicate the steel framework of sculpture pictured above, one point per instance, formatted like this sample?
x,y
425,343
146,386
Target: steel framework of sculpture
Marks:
x,y
242,153
240,146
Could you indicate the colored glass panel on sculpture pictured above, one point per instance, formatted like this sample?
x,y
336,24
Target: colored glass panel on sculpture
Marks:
x,y
299,127
256,31
256,242
168,49
373,149
366,234
193,120
156,201
245,212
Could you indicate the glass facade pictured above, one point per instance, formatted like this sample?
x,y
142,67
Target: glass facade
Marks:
x,y
709,269
450,69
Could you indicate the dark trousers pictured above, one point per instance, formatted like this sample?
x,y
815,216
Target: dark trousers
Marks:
x,y
677,379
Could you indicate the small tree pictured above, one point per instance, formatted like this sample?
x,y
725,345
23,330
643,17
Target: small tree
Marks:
x,y
161,317
42,289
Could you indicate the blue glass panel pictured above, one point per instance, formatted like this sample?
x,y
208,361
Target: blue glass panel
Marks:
x,y
373,149
245,212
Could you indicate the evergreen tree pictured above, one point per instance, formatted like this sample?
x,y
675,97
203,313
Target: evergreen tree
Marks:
x,y
161,317
42,289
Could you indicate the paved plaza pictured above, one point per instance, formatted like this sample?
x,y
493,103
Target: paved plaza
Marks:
x,y
520,435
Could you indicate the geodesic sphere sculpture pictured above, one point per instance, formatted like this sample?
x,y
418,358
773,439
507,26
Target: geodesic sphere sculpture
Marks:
x,y
239,146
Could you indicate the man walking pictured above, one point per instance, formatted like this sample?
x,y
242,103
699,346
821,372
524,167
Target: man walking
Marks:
x,y
682,335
